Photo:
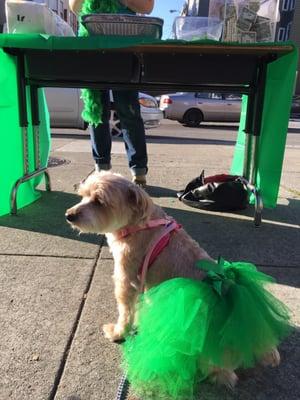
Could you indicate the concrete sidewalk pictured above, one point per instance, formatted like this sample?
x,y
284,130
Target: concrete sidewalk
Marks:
x,y
56,287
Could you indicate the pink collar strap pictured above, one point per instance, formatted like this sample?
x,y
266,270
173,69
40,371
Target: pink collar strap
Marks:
x,y
154,249
156,246
122,233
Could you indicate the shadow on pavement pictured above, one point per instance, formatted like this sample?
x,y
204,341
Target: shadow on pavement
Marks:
x,y
187,140
47,215
294,130
278,383
284,214
158,191
273,246
221,127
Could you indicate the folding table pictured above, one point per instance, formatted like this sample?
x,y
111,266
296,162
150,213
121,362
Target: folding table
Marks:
x,y
264,73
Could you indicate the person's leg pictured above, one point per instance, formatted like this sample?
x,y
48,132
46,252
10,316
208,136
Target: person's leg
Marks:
x,y
101,138
128,109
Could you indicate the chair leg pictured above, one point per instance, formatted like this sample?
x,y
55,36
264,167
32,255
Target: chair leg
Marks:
x,y
258,204
25,178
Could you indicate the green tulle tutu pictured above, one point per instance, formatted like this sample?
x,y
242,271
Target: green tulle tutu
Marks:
x,y
186,327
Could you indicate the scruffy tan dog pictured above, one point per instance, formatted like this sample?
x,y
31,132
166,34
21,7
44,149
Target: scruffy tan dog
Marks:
x,y
111,203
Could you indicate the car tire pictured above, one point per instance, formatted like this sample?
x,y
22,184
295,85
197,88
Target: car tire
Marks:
x,y
114,124
192,118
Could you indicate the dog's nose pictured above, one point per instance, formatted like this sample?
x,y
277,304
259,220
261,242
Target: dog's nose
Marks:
x,y
71,217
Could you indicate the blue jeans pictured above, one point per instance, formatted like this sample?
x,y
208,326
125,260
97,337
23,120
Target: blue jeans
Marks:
x,y
128,109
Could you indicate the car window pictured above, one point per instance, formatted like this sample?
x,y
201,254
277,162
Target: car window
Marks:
x,y
201,95
215,96
233,96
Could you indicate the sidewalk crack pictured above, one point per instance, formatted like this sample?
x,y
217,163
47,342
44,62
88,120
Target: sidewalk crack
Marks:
x,y
48,255
69,343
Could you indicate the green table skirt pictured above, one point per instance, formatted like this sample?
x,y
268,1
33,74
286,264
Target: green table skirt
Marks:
x,y
11,140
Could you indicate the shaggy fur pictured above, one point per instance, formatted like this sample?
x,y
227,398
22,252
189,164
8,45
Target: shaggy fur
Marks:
x,y
109,203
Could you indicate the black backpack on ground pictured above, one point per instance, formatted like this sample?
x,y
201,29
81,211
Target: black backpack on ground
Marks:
x,y
216,193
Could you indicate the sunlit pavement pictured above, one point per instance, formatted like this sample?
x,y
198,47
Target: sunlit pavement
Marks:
x,y
56,286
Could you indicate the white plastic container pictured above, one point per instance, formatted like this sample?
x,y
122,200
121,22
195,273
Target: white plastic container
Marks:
x,y
197,28
32,17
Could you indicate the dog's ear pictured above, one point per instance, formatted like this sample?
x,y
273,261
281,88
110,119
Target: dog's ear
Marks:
x,y
140,202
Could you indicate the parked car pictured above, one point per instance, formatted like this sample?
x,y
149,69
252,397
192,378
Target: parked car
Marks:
x,y
193,108
150,113
65,107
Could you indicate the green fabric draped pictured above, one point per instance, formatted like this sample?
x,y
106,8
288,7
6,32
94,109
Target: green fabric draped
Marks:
x,y
11,144
279,88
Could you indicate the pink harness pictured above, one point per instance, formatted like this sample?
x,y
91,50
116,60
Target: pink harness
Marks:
x,y
156,246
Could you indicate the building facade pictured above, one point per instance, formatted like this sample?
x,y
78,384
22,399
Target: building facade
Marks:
x,y
61,7
295,36
2,14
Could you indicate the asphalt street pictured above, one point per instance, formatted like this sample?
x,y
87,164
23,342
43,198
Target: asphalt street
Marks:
x,y
208,133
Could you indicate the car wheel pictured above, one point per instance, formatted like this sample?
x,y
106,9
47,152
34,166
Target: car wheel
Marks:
x,y
114,124
192,118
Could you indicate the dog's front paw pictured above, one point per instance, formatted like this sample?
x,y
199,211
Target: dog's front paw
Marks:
x,y
224,377
113,332
271,359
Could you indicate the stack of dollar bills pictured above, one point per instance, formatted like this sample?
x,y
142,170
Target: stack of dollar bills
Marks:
x,y
242,22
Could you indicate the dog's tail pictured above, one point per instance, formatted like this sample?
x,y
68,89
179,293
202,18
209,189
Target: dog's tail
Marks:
x,y
186,328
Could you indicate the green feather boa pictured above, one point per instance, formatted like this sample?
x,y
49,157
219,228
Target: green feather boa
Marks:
x,y
92,112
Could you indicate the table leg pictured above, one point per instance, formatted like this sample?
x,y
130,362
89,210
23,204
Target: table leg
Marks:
x,y
36,132
25,178
248,135
253,131
23,121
